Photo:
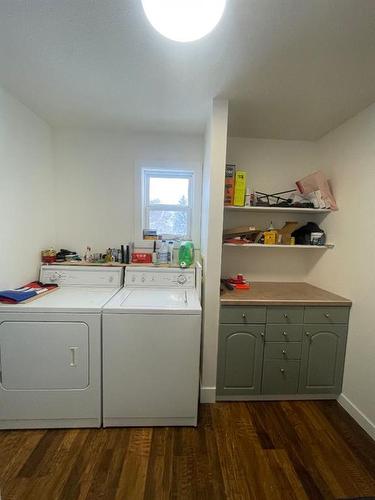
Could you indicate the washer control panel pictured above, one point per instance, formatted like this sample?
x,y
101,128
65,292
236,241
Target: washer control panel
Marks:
x,y
159,278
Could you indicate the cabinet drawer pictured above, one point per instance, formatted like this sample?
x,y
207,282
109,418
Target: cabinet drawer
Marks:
x,y
283,350
280,377
281,333
285,315
326,315
243,314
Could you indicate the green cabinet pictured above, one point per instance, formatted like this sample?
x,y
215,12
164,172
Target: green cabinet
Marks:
x,y
322,361
240,359
276,350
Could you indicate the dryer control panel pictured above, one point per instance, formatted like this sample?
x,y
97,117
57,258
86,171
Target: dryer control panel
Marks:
x,y
81,276
159,278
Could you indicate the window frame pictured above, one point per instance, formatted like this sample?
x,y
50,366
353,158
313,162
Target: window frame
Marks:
x,y
147,207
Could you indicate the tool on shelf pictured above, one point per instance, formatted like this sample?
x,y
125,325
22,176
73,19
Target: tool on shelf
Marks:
x,y
239,282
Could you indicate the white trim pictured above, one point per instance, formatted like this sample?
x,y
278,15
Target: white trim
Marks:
x,y
150,421
277,397
208,395
358,415
58,423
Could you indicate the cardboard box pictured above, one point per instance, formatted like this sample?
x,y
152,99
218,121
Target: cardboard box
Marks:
x,y
286,232
240,189
230,173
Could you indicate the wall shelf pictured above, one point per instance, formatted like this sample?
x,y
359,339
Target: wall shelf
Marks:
x,y
290,247
280,210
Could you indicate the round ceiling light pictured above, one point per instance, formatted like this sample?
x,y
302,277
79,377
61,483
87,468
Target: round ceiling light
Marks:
x,y
184,20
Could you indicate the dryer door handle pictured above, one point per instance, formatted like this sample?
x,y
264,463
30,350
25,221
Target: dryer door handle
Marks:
x,y
73,352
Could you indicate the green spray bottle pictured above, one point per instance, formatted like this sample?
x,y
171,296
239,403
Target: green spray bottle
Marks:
x,y
186,254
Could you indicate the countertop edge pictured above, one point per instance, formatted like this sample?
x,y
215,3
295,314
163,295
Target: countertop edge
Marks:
x,y
249,302
283,294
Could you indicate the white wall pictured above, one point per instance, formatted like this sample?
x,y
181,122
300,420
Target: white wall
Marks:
x,y
95,178
212,226
26,192
271,166
349,153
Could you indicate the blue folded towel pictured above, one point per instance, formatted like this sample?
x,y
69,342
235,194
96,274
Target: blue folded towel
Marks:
x,y
15,296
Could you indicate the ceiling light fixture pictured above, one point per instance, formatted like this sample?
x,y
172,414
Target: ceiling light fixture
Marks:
x,y
184,20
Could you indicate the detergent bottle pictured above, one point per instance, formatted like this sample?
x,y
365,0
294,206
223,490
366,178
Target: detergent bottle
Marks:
x,y
186,254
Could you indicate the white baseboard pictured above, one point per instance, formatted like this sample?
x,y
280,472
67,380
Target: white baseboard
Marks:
x,y
277,397
208,395
358,416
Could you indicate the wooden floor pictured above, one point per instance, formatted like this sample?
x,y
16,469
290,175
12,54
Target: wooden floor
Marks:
x,y
277,450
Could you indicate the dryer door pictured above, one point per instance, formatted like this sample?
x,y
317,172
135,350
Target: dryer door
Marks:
x,y
44,355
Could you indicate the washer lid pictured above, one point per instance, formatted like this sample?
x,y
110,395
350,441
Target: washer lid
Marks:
x,y
154,300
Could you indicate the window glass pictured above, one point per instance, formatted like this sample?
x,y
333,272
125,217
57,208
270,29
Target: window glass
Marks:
x,y
169,191
167,202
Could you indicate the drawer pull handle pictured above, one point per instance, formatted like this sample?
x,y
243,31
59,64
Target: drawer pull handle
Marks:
x,y
262,334
285,334
243,315
282,370
285,316
284,353
327,315
307,334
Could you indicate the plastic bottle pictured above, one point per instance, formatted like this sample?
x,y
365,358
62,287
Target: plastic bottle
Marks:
x,y
176,249
170,251
248,197
186,254
163,253
154,255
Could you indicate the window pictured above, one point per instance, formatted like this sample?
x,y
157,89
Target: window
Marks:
x,y
167,202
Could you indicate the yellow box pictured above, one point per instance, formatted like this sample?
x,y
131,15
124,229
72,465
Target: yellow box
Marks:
x,y
240,189
270,237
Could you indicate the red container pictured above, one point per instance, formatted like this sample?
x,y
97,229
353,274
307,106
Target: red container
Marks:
x,y
141,258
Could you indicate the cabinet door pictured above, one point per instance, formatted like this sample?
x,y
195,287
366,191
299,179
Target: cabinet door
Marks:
x,y
240,359
323,355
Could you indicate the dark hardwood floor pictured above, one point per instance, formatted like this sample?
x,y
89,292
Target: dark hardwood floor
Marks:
x,y
273,450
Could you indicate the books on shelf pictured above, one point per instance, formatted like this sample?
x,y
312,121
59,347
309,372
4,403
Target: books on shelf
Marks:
x,y
235,186
230,172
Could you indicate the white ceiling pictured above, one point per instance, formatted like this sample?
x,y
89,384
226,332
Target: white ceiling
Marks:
x,y
290,68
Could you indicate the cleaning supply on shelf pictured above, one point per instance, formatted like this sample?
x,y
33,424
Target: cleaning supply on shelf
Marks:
x,y
162,253
154,255
248,197
240,189
170,251
186,254
176,249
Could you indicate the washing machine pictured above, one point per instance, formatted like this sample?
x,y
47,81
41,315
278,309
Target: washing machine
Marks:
x,y
151,349
50,351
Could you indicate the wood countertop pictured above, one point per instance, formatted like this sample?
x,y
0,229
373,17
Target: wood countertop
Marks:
x,y
282,294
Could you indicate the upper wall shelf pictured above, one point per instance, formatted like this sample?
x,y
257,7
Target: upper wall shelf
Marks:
x,y
280,210
289,247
